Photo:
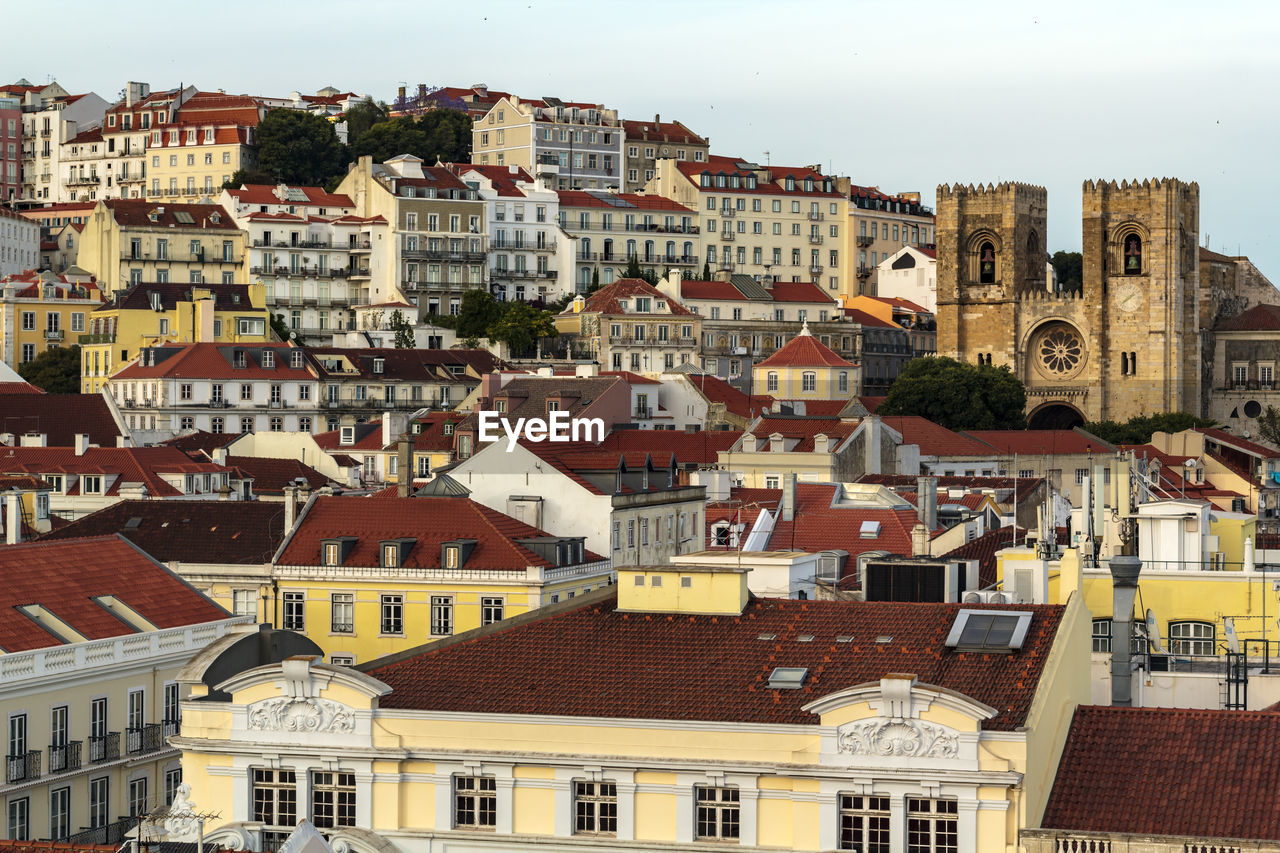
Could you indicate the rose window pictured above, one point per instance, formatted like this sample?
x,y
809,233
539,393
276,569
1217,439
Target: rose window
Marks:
x,y
1060,351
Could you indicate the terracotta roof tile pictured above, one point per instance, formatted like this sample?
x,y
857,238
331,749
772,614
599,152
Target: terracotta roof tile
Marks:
x,y
266,194
593,661
1039,442
216,361
664,131
128,464
1252,448
935,440
271,475
699,447
582,198
60,417
804,350
131,213
736,402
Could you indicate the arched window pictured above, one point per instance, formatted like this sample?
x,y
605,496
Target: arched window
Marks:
x,y
648,250
771,381
631,249
1191,638
808,381
986,263
1133,363
671,248
1133,255
607,253
1124,364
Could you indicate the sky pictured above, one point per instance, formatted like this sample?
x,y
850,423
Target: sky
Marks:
x,y
899,94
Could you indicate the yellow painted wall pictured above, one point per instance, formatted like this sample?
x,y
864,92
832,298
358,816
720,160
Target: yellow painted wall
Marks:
x,y
13,336
790,382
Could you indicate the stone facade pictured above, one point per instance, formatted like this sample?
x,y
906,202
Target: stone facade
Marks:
x,y
1127,343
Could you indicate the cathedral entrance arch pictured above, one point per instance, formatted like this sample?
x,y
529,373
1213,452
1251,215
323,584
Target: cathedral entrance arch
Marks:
x,y
1055,416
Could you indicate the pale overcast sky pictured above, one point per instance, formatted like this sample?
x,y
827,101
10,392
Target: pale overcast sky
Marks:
x,y
902,95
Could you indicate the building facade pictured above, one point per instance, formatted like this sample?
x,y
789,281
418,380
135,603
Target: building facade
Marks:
x,y
612,228
40,311
10,147
631,325
584,140
47,124
648,142
19,242
879,226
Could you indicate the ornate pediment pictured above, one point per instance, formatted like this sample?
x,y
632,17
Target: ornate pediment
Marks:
x,y
890,737
309,715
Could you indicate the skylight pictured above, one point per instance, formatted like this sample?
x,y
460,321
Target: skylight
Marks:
x,y
998,631
183,218
869,530
787,677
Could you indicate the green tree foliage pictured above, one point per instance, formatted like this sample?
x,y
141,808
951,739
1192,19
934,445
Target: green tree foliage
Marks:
x,y
1269,426
1069,267
403,329
1138,429
520,325
479,311
706,271
363,116
247,176
436,135
279,327
958,395
55,371
299,148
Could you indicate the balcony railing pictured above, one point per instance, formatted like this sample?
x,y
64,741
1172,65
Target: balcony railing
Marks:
x,y
727,235
815,239
518,273
114,833
104,747
23,767
815,269
642,413
82,180
864,240
342,628
145,738
53,334
864,271
442,255
815,216
728,212
65,757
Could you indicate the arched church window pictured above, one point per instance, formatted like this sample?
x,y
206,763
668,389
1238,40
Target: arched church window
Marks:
x,y
986,263
1133,255
1124,364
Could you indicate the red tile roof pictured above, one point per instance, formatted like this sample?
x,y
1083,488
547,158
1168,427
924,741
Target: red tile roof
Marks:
x,y
1259,318
804,350
226,532
983,549
266,194
423,365
736,402
60,417
216,361
201,442
503,178
606,299
701,289
593,661
935,440
661,131
432,436
54,846
857,315
270,475
582,198
799,291
819,526
368,436
1039,442
431,521
699,448
630,378
871,403
226,297
66,577
800,427
820,408
1234,441
1125,770
718,165
128,464
7,388
136,213
781,291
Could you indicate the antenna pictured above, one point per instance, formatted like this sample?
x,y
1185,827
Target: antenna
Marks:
x,y
1153,632
1233,641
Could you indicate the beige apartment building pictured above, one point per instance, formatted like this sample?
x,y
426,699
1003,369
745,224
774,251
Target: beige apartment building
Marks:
x,y
127,241
880,225
584,140
438,227
209,137
647,142
780,221
631,325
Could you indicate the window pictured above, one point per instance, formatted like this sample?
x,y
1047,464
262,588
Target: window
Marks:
x,y
59,813
91,484
333,799
137,797
595,807
1133,255
475,802
172,711
718,813
245,602
491,610
215,426
393,614
932,826
275,804
1102,635
441,615
294,620
864,824
28,321
172,779
808,381
20,819
98,790
986,262
1191,638
341,612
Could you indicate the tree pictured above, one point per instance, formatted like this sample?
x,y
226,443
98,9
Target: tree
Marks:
x,y
957,395
520,326
299,148
280,327
595,279
479,311
1269,426
1138,429
240,177
403,329
437,135
55,371
363,116
706,271
1069,267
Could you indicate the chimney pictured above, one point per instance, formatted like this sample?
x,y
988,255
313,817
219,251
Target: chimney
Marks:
x,y
657,120
35,439
871,445
788,506
821,443
927,501
919,541
404,469
13,518
82,443
401,93
220,456
1124,584
290,508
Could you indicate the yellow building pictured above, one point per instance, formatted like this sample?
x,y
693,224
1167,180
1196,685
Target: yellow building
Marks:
x,y
40,311
206,140
94,635
150,314
126,242
806,369
368,577
24,507
674,709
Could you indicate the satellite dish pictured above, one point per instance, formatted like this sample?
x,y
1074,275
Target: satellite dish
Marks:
x,y
293,336
1233,641
1153,632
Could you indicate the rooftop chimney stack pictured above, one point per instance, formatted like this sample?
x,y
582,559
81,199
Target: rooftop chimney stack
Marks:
x,y
404,467
13,519
290,508
871,445
1124,583
82,443
927,501
788,507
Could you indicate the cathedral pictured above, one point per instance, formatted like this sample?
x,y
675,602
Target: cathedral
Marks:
x,y
1127,342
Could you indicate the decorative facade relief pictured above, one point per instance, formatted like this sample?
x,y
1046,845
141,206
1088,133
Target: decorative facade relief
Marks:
x,y
899,738
310,715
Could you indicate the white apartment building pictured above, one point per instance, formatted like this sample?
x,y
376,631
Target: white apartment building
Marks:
x,y
312,253
221,388
44,132
584,140
612,228
530,256
19,243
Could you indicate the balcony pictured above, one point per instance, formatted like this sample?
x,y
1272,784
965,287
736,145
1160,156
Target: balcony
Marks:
x,y
728,236
144,739
98,338
642,413
341,628
104,747
131,179
815,216
53,334
358,246
725,266
815,239
728,212
523,274
442,255
864,271
81,180
864,240
64,758
23,767
815,269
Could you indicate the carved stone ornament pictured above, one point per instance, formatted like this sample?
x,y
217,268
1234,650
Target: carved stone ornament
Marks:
x,y
288,714
182,824
896,737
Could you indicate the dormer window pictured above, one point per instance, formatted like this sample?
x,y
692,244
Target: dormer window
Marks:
x,y
447,429
553,405
332,553
452,554
268,358
379,364
394,552
347,436
240,359
295,359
